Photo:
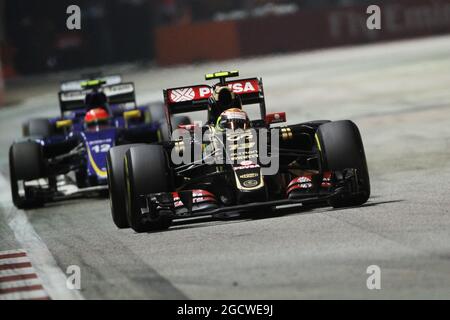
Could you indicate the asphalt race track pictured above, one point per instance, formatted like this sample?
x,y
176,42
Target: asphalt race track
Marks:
x,y
397,93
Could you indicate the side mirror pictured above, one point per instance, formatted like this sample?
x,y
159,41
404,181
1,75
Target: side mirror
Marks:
x,y
276,117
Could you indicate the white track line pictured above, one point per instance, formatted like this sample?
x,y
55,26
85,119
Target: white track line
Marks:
x,y
12,272
20,284
53,279
20,271
14,260
7,252
36,294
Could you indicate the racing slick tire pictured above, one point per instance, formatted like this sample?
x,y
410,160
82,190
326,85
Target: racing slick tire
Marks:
x,y
116,184
25,164
341,148
38,127
146,172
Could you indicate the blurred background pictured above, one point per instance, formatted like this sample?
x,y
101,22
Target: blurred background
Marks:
x,y
34,38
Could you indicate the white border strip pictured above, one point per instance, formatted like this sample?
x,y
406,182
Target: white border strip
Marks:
x,y
16,272
53,278
35,294
11,252
20,283
14,260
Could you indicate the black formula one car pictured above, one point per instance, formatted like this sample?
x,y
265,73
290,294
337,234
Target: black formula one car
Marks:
x,y
232,165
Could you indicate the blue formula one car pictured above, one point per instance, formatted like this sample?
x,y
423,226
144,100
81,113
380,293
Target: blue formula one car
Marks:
x,y
65,156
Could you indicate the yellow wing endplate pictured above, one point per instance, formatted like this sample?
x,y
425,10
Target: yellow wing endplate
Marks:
x,y
92,83
63,124
132,114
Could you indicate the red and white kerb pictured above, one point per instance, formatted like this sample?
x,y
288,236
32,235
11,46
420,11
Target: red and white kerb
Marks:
x,y
18,279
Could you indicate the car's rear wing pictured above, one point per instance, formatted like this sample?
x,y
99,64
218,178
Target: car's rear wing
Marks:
x,y
117,94
195,98
78,84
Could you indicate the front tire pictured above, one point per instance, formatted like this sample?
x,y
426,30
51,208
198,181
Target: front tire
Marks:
x,y
341,148
25,164
117,185
39,127
146,172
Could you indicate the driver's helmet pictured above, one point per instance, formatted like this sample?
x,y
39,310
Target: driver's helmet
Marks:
x,y
233,119
96,119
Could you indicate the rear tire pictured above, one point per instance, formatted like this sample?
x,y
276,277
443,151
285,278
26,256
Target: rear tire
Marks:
x,y
25,164
342,148
146,172
26,129
116,184
37,128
